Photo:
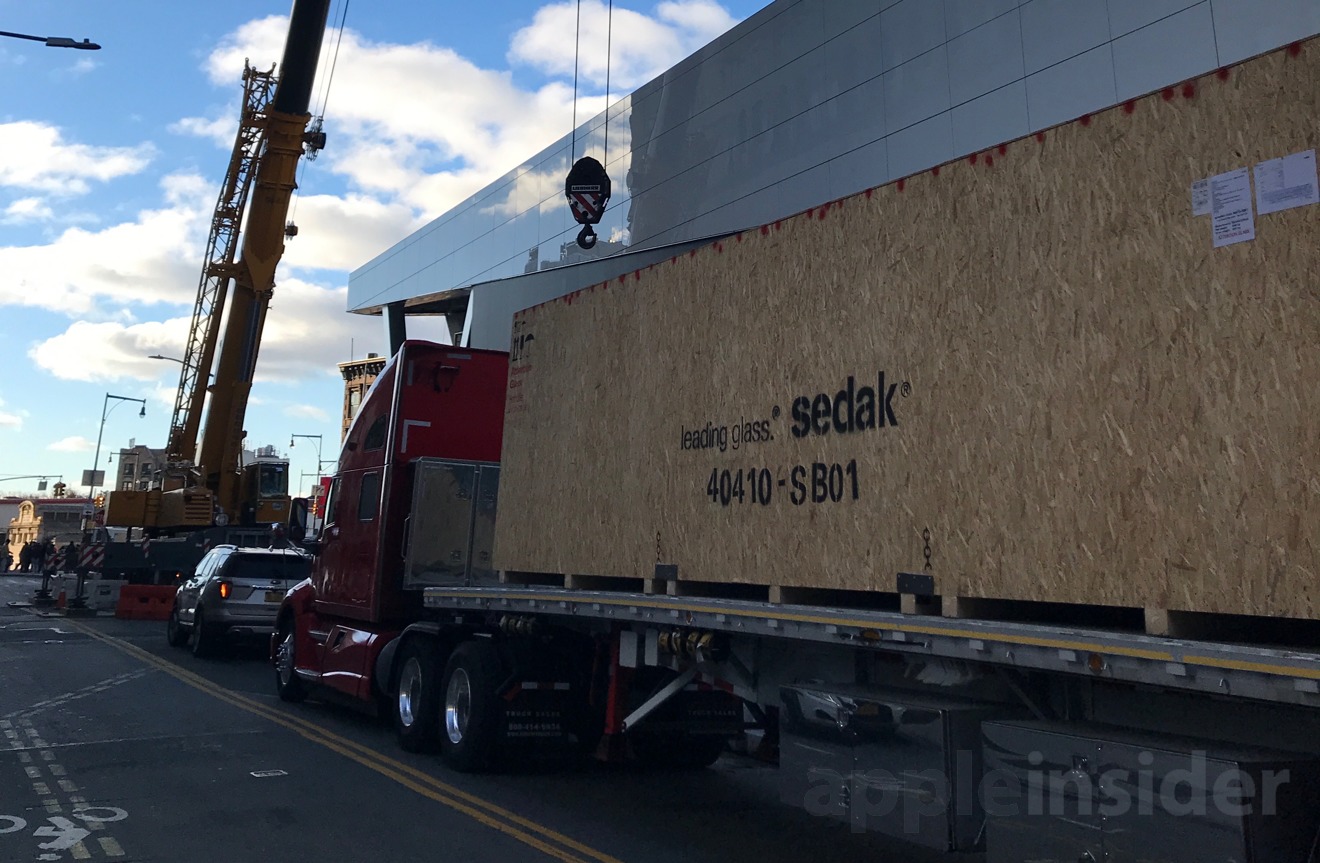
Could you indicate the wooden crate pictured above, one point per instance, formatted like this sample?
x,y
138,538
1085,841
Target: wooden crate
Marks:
x,y
1054,376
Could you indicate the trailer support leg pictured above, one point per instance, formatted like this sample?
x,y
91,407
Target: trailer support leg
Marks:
x,y
670,689
613,747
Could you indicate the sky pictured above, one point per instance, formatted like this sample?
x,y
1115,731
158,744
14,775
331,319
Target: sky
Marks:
x,y
111,162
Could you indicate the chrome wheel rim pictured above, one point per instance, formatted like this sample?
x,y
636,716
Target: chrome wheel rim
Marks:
x,y
458,705
410,692
284,658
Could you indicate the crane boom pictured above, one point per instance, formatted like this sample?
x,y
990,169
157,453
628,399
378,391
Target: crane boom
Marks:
x,y
204,331
221,441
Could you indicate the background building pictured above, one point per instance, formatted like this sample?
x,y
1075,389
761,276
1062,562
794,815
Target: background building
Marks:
x,y
56,519
359,375
137,464
805,102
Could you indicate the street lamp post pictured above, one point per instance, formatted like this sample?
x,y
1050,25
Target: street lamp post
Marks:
x,y
55,41
91,482
315,438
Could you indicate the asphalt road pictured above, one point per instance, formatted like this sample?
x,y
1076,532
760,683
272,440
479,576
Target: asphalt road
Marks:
x,y
113,746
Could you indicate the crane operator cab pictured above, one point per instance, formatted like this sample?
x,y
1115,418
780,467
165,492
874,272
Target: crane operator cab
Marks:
x,y
265,490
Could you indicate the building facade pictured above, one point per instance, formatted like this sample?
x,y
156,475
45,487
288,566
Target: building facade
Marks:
x,y
358,376
137,466
58,519
805,102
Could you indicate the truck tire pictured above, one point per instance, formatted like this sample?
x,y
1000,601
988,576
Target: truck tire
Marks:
x,y
472,713
203,636
287,682
417,697
175,633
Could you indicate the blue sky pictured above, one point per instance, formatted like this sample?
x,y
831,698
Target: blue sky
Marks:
x,y
110,162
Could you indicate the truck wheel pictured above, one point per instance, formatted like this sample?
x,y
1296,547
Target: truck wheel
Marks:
x,y
417,699
175,634
677,751
287,682
472,711
203,635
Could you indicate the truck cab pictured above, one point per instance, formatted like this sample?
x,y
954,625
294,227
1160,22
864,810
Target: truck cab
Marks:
x,y
431,425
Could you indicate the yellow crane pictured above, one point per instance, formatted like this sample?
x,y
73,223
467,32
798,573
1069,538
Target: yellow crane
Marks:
x,y
206,481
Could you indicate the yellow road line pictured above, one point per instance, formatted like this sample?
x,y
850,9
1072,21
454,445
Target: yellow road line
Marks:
x,y
505,821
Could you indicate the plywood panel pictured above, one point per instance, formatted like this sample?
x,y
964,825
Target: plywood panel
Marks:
x,y
1075,394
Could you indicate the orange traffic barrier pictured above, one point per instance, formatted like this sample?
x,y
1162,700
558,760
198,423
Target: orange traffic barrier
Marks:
x,y
145,602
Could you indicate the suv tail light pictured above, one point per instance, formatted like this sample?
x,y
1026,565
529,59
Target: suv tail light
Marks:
x,y
225,589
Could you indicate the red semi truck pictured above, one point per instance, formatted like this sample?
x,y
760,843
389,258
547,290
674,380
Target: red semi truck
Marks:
x,y
935,730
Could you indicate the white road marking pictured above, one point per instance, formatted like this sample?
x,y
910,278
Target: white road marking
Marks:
x,y
85,813
110,847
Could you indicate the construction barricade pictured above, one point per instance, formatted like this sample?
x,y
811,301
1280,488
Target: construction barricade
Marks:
x,y
145,601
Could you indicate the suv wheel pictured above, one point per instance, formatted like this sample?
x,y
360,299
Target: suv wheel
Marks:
x,y
203,635
175,633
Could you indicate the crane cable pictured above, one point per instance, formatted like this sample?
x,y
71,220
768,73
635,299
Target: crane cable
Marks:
x,y
609,36
324,99
577,51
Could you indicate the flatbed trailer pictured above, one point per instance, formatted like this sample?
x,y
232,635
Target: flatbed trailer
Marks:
x,y
1036,739
1270,675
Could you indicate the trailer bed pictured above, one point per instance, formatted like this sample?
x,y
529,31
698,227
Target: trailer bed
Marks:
x,y
1282,676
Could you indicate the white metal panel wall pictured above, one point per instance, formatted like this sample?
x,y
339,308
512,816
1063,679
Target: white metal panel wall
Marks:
x,y
810,100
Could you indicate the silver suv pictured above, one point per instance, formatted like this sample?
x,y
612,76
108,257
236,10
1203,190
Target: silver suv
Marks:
x,y
234,591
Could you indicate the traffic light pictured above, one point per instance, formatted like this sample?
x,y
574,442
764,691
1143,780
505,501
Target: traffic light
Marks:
x,y
58,489
99,500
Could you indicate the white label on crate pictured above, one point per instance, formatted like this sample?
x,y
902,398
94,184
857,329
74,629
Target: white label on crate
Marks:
x,y
1282,184
1230,201
1201,198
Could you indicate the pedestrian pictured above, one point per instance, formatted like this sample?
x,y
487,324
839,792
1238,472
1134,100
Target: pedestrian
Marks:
x,y
25,557
40,554
70,557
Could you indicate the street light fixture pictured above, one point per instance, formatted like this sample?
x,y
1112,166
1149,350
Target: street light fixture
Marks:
x,y
55,41
92,478
316,439
174,360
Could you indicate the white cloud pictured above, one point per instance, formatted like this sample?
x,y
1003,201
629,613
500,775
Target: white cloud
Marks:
x,y
307,332
38,157
641,47
75,443
156,258
310,412
28,210
9,420
219,129
342,233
